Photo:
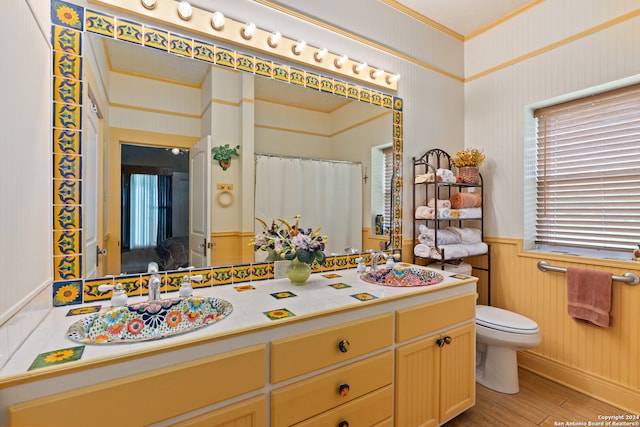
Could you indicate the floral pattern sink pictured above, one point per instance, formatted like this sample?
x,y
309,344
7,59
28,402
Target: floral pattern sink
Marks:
x,y
402,275
149,320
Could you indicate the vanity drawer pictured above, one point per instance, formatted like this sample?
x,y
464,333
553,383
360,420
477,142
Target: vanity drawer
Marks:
x,y
424,319
293,356
374,409
315,395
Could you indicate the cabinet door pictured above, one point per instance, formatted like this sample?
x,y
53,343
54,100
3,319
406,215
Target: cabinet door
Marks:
x,y
457,372
248,413
417,383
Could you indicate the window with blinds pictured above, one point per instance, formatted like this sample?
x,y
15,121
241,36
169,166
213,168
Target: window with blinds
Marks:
x,y
388,177
588,172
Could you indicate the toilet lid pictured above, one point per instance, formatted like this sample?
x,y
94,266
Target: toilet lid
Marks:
x,y
503,320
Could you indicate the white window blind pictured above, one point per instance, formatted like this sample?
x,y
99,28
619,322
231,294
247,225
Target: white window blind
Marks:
x,y
388,176
588,172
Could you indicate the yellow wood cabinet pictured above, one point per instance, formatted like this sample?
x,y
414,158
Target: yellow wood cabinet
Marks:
x,y
159,394
307,398
435,378
293,356
247,413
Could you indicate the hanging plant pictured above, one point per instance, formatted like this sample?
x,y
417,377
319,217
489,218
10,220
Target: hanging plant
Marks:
x,y
223,155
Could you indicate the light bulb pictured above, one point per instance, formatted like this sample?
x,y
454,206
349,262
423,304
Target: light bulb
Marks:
x,y
320,54
339,62
248,31
393,78
299,47
148,4
274,39
184,10
358,68
217,21
377,73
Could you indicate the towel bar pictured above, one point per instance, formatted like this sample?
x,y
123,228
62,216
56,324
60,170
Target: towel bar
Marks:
x,y
628,278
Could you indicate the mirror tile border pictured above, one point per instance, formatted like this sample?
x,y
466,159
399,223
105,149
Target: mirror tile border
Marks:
x,y
69,23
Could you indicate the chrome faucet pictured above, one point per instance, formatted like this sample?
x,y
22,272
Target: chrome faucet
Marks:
x,y
374,259
154,282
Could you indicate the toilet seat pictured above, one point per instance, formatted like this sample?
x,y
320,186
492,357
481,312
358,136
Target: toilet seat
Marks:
x,y
505,321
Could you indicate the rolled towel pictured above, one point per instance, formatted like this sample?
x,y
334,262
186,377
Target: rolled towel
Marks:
x,y
465,213
467,235
441,203
425,177
422,250
445,175
476,249
466,200
425,212
445,237
450,252
444,213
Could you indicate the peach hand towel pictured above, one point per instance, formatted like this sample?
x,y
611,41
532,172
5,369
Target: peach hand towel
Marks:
x,y
466,200
589,295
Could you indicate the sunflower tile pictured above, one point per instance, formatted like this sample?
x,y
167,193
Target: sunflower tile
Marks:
x,y
397,103
57,357
67,14
67,293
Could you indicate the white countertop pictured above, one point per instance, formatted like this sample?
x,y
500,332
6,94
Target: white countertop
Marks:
x,y
313,299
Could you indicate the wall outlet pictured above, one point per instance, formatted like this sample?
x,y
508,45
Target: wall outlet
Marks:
x,y
280,269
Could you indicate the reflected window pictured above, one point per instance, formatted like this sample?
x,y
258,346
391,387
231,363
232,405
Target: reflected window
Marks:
x,y
146,207
381,175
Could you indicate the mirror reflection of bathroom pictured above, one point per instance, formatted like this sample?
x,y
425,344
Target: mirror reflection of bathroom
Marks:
x,y
155,208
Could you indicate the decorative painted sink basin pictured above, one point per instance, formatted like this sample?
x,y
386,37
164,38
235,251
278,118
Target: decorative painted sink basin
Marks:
x,y
149,320
402,275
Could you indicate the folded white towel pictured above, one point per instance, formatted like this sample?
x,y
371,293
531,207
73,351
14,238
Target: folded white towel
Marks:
x,y
424,212
441,203
476,249
450,251
445,175
445,237
467,235
466,213
444,213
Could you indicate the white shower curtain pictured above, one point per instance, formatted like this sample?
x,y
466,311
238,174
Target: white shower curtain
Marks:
x,y
326,194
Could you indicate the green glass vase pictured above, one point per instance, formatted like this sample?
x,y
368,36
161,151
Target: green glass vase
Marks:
x,y
298,272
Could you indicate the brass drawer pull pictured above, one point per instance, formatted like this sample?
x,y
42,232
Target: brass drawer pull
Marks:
x,y
343,389
444,340
344,346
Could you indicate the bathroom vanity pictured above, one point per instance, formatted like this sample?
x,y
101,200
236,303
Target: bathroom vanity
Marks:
x,y
335,352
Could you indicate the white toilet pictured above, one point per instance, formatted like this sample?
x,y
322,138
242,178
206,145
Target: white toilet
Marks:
x,y
499,335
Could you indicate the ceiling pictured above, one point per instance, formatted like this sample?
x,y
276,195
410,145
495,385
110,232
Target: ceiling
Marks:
x,y
464,16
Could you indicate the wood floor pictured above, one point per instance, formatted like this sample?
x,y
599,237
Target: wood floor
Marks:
x,y
540,402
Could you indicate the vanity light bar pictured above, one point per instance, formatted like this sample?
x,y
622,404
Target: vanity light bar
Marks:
x,y
216,25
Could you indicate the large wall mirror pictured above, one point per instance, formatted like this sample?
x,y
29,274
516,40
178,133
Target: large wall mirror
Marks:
x,y
146,112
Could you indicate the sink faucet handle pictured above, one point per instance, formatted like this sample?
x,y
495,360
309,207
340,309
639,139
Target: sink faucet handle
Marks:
x,y
196,278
